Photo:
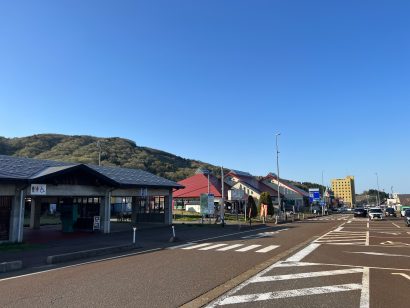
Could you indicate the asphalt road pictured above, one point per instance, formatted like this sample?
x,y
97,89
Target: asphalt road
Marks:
x,y
294,264
357,264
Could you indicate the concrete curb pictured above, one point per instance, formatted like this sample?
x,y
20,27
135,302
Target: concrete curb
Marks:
x,y
88,253
10,266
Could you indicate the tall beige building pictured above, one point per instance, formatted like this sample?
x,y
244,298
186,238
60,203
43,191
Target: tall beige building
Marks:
x,y
344,190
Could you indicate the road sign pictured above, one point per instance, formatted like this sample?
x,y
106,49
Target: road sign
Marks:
x,y
207,204
314,194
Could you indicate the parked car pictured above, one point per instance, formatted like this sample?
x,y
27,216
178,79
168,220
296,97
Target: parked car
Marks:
x,y
375,213
360,212
407,217
390,212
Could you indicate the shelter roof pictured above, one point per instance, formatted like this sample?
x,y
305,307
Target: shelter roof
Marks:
x,y
30,169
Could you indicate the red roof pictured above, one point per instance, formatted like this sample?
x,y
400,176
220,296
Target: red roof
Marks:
x,y
197,185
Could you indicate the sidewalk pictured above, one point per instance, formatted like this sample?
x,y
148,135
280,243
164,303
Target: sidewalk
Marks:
x,y
48,241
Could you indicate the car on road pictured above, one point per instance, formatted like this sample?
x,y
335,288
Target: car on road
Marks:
x,y
360,212
375,213
403,210
390,212
407,217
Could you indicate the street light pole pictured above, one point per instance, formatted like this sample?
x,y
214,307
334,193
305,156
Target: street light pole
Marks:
x,y
378,195
277,167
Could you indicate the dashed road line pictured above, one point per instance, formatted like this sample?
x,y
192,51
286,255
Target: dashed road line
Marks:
x,y
299,256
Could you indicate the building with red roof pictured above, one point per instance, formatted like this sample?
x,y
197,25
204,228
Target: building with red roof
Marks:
x,y
188,198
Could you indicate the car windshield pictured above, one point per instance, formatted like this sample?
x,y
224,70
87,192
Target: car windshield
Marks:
x,y
407,213
389,210
375,210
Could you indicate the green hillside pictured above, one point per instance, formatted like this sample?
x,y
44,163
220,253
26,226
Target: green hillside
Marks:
x,y
114,152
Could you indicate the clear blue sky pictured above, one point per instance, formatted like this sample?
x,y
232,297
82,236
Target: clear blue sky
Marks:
x,y
214,80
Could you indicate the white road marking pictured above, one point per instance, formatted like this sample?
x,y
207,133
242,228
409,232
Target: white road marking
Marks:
x,y
395,243
197,246
83,263
247,248
339,229
396,225
230,247
367,238
295,263
212,247
324,240
303,253
268,248
392,233
368,225
180,246
365,295
401,274
377,254
264,234
306,275
239,299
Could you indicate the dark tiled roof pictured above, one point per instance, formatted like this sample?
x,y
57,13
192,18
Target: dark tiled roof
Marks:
x,y
17,168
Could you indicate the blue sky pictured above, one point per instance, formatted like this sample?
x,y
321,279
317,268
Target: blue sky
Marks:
x,y
215,80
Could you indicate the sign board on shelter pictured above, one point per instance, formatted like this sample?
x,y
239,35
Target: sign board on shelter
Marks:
x,y
38,189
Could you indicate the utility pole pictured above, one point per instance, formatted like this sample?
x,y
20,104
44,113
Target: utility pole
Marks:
x,y
222,211
99,152
378,195
277,168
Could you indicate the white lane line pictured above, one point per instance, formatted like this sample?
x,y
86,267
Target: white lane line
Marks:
x,y
378,254
303,253
230,247
212,247
297,264
268,248
324,240
401,274
307,275
368,225
83,263
240,299
349,222
247,248
367,238
365,294
342,237
396,225
180,246
197,246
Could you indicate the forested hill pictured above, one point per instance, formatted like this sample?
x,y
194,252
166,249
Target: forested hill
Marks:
x,y
114,152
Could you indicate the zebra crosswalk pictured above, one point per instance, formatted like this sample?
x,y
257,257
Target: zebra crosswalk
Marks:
x,y
238,247
339,237
286,281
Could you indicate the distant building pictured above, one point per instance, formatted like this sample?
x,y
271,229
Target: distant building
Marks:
x,y
294,196
344,190
188,198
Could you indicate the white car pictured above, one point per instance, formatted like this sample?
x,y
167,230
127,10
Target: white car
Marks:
x,y
375,213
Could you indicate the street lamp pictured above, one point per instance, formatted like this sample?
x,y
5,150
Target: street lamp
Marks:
x,y
378,195
277,167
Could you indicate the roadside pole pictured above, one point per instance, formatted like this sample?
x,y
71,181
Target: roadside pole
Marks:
x,y
133,235
222,207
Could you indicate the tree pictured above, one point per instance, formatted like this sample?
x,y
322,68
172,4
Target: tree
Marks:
x,y
265,198
251,209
